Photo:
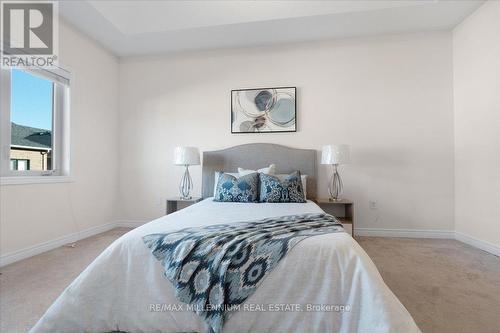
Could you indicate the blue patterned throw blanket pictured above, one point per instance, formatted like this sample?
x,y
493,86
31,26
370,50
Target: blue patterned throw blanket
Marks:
x,y
215,268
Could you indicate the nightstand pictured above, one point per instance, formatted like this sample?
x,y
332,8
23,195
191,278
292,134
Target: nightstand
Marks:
x,y
342,209
176,203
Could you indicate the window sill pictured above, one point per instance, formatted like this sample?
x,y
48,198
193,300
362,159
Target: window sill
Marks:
x,y
35,180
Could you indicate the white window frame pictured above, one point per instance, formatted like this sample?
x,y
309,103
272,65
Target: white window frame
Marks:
x,y
60,130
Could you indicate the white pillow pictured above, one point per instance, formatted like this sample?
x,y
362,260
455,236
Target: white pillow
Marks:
x,y
217,179
270,170
303,179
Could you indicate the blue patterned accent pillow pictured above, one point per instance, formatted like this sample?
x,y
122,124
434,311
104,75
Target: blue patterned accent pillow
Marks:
x,y
272,189
232,189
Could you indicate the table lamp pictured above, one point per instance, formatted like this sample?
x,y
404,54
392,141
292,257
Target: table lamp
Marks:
x,y
334,155
186,156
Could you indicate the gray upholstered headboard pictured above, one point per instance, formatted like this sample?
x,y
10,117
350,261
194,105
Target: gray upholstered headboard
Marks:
x,y
256,156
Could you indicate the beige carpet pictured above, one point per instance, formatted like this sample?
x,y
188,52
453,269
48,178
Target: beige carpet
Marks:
x,y
29,287
447,286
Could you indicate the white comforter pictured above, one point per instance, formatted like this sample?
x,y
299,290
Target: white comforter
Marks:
x,y
124,288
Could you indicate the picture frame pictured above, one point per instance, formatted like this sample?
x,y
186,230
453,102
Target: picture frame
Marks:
x,y
264,110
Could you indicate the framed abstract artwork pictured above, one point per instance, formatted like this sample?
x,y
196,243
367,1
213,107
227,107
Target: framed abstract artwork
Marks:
x,y
264,110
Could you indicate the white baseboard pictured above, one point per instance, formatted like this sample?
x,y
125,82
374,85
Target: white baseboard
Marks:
x,y
11,257
30,251
130,223
406,233
480,244
442,234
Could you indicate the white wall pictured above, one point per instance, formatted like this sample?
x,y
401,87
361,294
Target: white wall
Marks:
x,y
389,97
476,69
38,213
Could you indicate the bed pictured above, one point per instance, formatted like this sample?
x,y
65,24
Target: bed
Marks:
x,y
326,283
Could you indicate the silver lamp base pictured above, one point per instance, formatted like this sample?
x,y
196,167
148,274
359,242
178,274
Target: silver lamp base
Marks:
x,y
335,187
186,185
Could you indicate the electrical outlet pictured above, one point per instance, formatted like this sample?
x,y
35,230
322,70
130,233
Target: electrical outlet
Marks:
x,y
372,204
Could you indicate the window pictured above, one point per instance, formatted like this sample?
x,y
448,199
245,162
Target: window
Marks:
x,y
34,122
17,164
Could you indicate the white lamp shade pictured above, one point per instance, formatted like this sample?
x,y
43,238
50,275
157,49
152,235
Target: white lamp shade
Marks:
x,y
186,156
335,154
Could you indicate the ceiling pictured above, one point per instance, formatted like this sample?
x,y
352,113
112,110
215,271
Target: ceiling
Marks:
x,y
130,28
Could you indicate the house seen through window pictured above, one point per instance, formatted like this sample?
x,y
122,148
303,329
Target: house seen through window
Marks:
x,y
32,104
34,123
